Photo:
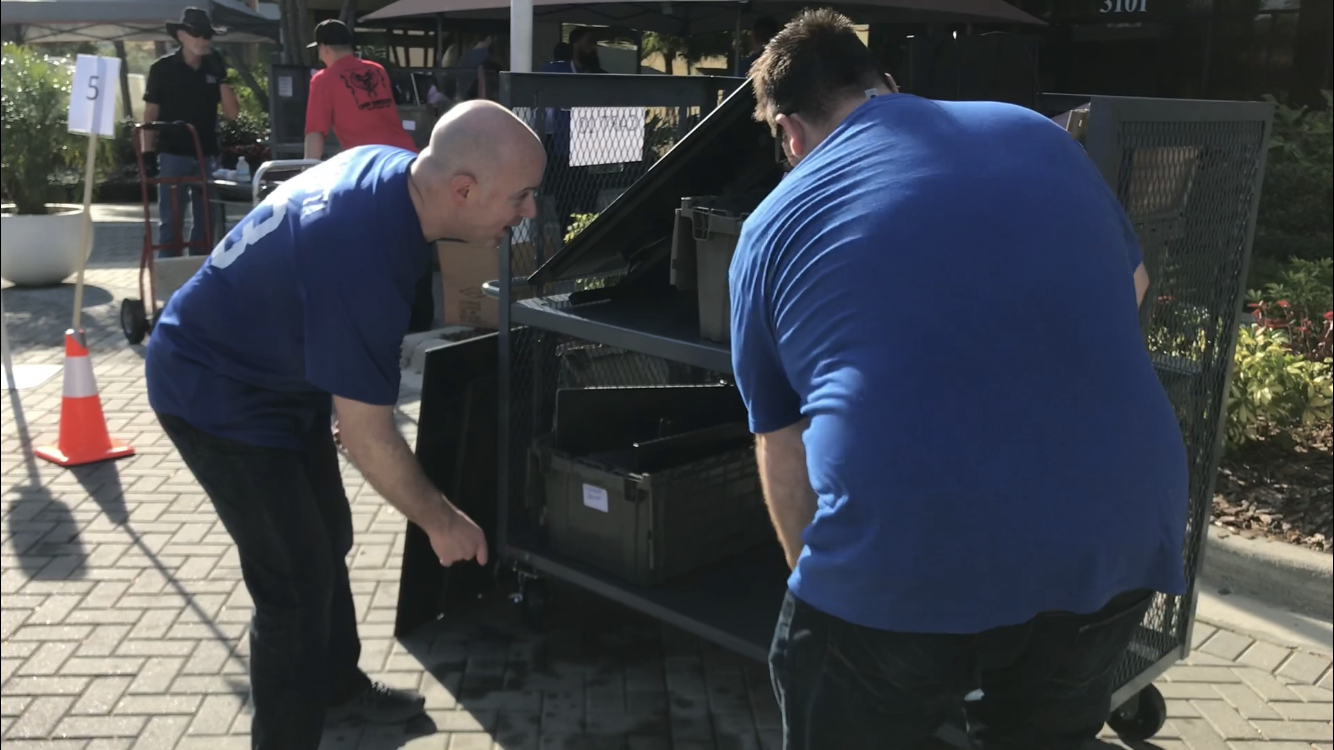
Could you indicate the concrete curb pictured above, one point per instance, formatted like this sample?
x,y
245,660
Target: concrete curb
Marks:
x,y
1279,574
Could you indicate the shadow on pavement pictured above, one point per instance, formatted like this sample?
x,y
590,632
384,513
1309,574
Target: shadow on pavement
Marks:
x,y
42,530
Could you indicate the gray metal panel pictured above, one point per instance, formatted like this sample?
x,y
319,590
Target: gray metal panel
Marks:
x,y
610,90
1188,174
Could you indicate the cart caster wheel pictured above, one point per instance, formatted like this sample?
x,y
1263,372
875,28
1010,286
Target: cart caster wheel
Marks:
x,y
133,320
1141,717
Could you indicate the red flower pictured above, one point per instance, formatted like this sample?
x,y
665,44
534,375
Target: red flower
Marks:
x,y
1329,315
1283,303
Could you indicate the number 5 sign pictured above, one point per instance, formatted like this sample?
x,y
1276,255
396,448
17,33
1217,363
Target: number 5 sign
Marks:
x,y
92,101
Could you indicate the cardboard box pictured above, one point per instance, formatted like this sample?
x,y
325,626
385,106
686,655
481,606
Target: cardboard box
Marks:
x,y
463,270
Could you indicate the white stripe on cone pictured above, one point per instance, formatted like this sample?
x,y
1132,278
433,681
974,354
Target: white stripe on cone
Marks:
x,y
79,382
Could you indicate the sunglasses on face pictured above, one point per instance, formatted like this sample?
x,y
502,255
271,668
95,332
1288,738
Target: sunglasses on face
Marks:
x,y
205,35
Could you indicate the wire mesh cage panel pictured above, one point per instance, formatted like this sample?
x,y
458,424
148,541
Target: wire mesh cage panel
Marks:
x,y
1188,174
601,133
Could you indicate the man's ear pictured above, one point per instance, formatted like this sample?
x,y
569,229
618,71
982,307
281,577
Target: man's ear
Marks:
x,y
461,186
794,134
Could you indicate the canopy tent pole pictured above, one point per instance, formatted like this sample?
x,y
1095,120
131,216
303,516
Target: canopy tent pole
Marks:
x,y
521,36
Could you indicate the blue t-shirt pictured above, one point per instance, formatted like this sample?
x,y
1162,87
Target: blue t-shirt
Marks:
x,y
308,296
946,291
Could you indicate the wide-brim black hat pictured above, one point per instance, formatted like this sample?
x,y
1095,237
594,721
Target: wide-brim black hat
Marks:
x,y
195,21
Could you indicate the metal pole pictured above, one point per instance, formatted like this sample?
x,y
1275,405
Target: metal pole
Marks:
x,y
521,36
86,243
10,382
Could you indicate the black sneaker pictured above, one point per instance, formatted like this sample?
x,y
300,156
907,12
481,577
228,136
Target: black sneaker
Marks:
x,y
380,704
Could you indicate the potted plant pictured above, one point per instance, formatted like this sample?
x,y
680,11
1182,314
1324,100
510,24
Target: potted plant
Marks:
x,y
41,239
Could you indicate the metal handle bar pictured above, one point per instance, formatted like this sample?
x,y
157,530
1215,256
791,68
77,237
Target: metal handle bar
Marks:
x,y
277,164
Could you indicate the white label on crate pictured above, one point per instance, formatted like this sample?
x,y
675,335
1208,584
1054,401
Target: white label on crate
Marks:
x,y
595,498
409,125
285,87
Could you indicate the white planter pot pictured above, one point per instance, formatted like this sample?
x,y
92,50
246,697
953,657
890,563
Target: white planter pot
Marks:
x,y
41,250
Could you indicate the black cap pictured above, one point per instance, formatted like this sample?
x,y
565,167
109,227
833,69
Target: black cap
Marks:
x,y
332,33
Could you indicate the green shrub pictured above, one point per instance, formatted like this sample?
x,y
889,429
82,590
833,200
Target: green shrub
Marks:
x,y
1281,379
578,222
1275,392
1299,303
35,147
1296,217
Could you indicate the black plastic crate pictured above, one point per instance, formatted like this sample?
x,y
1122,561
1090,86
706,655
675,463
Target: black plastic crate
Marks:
x,y
651,483
703,243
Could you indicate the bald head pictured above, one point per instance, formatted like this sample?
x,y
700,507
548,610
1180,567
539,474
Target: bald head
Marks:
x,y
479,137
479,172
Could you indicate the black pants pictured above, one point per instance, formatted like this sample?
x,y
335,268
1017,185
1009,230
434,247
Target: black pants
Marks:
x,y
1047,684
290,519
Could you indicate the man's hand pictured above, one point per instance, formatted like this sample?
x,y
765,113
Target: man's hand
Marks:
x,y
455,537
376,447
216,65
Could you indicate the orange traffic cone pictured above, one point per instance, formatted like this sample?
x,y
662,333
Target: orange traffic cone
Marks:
x,y
83,428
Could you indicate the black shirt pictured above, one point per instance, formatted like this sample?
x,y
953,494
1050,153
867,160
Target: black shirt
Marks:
x,y
185,93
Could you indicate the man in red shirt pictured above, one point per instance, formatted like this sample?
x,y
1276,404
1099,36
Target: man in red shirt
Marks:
x,y
352,96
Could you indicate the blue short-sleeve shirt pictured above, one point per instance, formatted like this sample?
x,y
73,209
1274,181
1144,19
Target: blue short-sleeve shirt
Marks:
x,y
946,291
308,296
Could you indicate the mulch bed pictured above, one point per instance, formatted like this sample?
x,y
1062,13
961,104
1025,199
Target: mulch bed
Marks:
x,y
1281,492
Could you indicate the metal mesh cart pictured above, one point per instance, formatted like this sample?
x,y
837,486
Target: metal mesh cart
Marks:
x,y
601,314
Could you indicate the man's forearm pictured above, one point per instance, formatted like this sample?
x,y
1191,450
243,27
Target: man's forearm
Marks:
x,y
314,145
383,457
787,487
149,136
1141,284
231,106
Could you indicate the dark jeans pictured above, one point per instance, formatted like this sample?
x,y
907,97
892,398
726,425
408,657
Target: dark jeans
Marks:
x,y
1047,684
188,197
290,519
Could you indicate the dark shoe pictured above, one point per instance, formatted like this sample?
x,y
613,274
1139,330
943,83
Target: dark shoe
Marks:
x,y
380,704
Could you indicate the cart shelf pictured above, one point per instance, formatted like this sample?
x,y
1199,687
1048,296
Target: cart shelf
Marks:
x,y
733,603
665,326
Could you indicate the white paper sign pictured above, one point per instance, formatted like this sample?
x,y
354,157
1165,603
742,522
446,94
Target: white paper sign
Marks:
x,y
595,498
92,101
409,125
285,87
606,135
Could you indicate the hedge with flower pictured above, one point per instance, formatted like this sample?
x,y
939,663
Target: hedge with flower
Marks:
x,y
1282,383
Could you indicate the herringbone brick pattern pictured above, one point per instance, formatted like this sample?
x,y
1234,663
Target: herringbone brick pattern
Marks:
x,y
124,618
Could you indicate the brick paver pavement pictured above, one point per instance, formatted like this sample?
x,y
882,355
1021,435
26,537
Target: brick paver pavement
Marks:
x,y
124,617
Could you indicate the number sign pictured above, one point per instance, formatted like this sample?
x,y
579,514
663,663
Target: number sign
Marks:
x,y
1124,6
92,100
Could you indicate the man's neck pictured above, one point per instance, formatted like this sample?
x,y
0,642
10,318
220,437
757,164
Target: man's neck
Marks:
x,y
191,58
334,57
418,183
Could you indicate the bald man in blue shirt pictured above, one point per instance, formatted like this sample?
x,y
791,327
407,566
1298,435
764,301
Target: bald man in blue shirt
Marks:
x,y
299,313
966,453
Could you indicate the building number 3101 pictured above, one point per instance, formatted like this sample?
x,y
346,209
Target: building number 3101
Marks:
x,y
1124,6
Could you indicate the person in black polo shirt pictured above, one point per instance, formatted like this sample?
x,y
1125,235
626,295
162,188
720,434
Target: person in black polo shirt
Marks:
x,y
187,85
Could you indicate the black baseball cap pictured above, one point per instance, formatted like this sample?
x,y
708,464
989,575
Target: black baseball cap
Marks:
x,y
332,33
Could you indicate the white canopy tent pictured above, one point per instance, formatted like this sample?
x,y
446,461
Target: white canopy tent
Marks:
x,y
51,21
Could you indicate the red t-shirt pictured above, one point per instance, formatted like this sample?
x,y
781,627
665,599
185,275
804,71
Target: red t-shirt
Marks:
x,y
355,99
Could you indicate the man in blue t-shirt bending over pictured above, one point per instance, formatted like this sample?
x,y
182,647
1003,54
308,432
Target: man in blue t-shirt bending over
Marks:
x,y
977,479
300,312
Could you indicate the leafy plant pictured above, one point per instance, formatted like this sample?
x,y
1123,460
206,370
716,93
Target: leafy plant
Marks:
x,y
1299,303
578,223
35,147
1296,217
1274,391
